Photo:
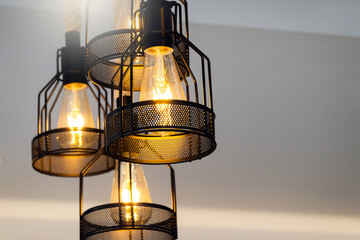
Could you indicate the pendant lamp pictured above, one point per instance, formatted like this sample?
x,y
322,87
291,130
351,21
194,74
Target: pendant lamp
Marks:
x,y
168,116
70,132
130,214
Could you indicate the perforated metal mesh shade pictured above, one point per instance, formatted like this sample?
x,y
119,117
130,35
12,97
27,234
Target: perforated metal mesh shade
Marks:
x,y
104,57
102,222
136,132
136,234
53,154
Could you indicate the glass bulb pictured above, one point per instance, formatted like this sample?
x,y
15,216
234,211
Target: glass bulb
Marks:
x,y
161,82
75,113
140,193
124,18
122,14
136,23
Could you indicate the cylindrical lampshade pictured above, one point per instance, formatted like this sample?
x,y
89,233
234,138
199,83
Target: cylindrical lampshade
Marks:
x,y
124,11
108,53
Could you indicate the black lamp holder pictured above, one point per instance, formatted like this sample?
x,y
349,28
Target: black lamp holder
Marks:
x,y
73,59
158,22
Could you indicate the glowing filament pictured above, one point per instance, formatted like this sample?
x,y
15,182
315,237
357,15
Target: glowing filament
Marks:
x,y
75,114
132,190
137,23
162,90
161,82
76,122
126,198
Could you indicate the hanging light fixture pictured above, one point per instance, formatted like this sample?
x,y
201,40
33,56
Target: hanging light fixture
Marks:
x,y
111,46
163,115
130,215
172,119
126,25
64,150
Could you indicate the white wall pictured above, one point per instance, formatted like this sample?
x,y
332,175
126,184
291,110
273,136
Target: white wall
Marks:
x,y
288,159
335,17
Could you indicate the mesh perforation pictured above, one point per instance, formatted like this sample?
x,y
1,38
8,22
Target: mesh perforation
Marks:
x,y
104,58
140,134
115,220
54,154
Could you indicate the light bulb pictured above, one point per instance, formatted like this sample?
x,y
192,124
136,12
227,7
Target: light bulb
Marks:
x,y
123,13
137,23
131,191
124,20
75,113
161,82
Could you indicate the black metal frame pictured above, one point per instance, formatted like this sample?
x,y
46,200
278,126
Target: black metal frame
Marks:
x,y
91,228
125,67
49,157
107,58
194,125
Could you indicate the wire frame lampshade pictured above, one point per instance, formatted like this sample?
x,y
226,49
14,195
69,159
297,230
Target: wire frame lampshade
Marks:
x,y
69,138
171,120
128,216
106,51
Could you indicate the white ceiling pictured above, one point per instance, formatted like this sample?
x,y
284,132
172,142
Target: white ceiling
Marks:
x,y
335,17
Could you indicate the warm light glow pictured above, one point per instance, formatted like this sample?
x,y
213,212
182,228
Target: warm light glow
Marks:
x,y
126,198
137,23
267,222
76,123
75,114
137,59
126,194
123,10
131,193
161,82
162,91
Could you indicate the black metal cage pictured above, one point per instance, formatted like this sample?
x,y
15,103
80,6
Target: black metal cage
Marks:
x,y
106,52
53,150
131,220
131,127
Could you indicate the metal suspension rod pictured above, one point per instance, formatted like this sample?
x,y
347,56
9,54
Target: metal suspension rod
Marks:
x,y
84,172
39,99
